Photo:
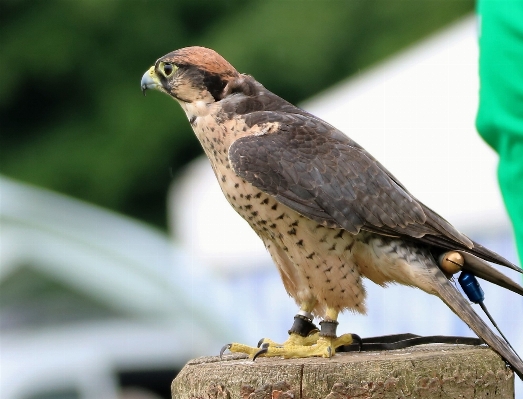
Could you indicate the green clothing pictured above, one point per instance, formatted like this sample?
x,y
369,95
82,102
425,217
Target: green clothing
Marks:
x,y
500,115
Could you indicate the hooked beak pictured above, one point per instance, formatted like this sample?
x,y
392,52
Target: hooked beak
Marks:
x,y
150,80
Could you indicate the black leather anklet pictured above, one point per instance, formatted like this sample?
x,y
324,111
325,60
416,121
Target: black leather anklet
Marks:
x,y
302,326
328,328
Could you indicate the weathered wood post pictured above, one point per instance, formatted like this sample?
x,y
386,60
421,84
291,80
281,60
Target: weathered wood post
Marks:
x,y
427,371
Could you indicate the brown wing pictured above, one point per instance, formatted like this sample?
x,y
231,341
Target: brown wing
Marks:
x,y
321,173
314,169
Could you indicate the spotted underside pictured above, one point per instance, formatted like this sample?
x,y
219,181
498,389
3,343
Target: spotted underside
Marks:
x,y
319,264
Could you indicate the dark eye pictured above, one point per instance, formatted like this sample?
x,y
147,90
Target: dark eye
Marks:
x,y
168,69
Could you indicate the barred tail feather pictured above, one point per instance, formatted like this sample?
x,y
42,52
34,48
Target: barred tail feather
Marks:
x,y
459,305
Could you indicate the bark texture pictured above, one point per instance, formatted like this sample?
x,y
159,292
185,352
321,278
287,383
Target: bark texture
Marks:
x,y
428,371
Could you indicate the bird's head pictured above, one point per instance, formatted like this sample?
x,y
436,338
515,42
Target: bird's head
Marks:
x,y
190,74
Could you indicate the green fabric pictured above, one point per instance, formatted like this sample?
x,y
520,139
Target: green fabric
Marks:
x,y
500,115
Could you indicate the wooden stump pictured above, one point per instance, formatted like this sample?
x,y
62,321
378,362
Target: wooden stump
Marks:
x,y
427,371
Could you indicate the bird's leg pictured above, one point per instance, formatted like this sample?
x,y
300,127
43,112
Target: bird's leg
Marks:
x,y
303,331
328,341
322,344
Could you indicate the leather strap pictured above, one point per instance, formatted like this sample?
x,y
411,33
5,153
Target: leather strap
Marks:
x,y
400,341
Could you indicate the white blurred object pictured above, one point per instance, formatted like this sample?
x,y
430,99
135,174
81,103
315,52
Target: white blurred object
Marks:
x,y
87,293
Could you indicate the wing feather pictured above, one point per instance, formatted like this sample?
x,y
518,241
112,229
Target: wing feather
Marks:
x,y
309,167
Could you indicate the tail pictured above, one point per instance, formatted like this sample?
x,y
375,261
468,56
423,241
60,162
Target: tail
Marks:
x,y
483,270
485,253
459,305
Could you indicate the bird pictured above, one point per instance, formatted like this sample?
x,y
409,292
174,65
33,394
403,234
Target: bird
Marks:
x,y
329,214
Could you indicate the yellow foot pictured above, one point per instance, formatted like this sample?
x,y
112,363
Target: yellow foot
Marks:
x,y
293,340
295,347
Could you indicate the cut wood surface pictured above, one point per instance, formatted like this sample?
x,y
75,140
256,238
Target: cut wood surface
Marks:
x,y
427,371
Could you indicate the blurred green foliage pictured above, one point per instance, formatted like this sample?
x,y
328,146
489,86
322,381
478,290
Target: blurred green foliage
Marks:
x,y
73,118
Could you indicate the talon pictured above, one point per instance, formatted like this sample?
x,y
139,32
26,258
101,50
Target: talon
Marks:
x,y
329,351
264,349
357,338
224,348
260,342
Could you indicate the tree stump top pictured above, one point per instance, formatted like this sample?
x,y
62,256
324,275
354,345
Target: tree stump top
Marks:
x,y
426,371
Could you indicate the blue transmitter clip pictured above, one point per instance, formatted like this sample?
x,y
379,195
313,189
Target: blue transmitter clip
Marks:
x,y
470,285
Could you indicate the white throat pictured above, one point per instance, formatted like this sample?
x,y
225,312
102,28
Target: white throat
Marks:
x,y
196,109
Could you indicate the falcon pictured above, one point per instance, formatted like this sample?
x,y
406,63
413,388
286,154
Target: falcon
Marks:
x,y
328,213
